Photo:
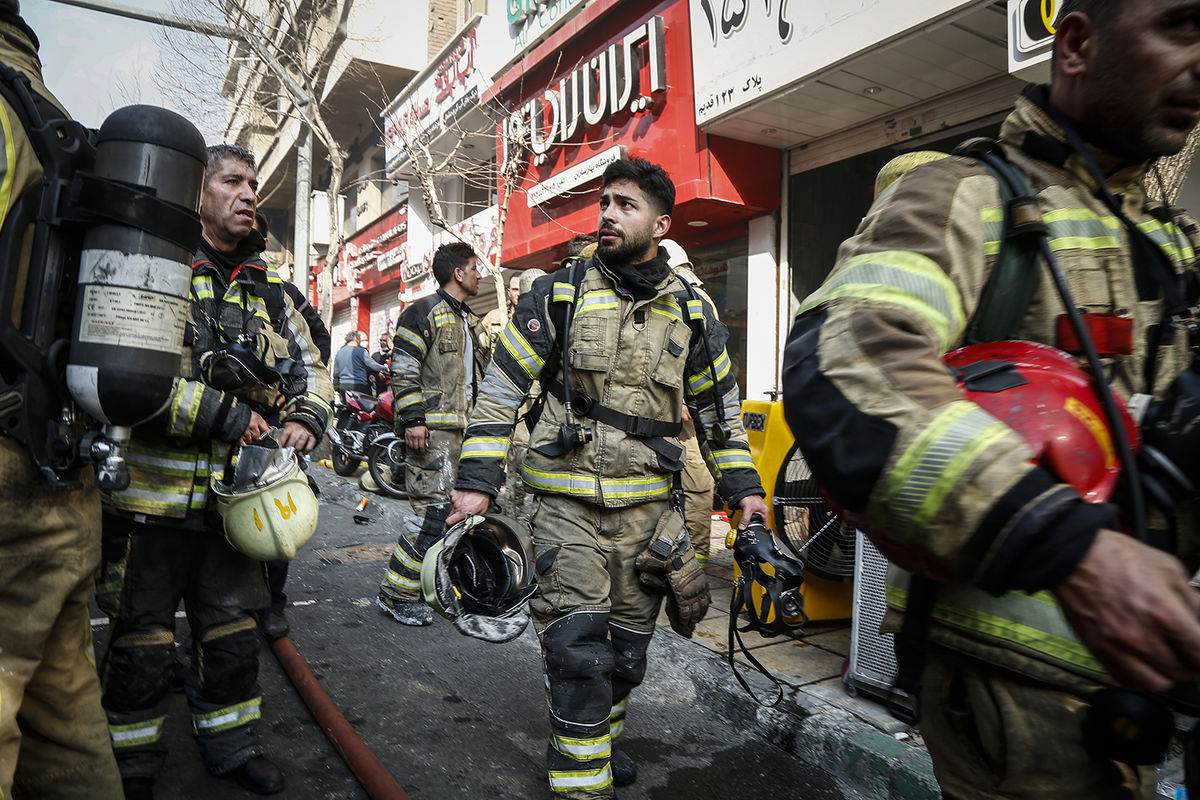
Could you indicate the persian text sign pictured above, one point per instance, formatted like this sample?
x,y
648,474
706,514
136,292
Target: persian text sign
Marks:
x,y
579,174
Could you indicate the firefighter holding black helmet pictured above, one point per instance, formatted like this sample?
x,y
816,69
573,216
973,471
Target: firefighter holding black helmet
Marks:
x,y
1027,601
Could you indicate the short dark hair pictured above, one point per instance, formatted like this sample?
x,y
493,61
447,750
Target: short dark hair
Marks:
x,y
450,257
650,178
1100,12
220,152
579,241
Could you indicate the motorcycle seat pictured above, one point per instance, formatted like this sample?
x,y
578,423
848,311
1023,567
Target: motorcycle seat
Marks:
x,y
365,401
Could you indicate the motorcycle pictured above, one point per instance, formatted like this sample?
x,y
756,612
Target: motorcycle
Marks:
x,y
385,460
360,421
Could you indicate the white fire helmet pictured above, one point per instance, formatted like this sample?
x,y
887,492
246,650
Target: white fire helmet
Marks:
x,y
271,512
480,577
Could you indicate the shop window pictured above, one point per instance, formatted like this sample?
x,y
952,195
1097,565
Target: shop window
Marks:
x,y
723,268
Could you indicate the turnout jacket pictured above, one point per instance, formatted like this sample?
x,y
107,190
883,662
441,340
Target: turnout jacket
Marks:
x,y
638,357
946,489
172,457
429,370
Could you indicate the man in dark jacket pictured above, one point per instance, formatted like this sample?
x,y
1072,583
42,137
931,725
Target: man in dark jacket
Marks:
x,y
353,366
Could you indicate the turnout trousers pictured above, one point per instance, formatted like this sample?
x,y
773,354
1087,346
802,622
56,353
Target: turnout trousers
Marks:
x,y
220,589
594,620
429,477
996,735
53,735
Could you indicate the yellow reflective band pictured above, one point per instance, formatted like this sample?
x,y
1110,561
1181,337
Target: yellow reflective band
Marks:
x,y
137,733
668,311
562,292
407,399
583,749
585,484
485,447
402,581
6,185
413,338
732,459
1081,229
406,559
588,780
695,309
441,318
598,300
202,288
1043,629
993,229
227,718
1168,238
521,351
909,280
441,418
703,381
933,464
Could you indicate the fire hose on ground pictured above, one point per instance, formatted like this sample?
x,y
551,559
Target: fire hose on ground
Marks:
x,y
373,776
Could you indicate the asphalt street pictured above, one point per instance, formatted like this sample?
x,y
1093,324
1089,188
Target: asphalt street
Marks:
x,y
452,717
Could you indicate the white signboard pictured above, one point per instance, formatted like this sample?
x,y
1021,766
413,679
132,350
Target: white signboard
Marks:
x,y
579,174
743,51
1031,37
530,21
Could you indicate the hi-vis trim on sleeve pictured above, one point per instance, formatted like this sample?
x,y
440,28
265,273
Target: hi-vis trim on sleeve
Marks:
x,y
412,338
518,347
901,278
485,447
583,749
407,399
435,418
695,309
1081,229
1169,238
444,317
666,308
993,229
929,469
499,387
1042,628
584,780
562,293
10,155
597,300
202,288
703,381
227,718
185,407
731,459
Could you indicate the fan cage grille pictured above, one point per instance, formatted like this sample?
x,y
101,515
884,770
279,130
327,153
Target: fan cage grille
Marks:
x,y
806,523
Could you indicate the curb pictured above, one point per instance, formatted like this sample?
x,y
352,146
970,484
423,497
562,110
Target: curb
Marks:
x,y
869,761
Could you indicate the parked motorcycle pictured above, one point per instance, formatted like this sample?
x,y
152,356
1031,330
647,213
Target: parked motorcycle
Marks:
x,y
385,460
361,420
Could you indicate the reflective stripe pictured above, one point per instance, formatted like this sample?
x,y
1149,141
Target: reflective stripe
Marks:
x,y
666,308
695,309
517,346
407,560
931,466
572,483
404,363
703,381
498,387
185,407
993,229
6,185
137,733
1042,628
485,447
731,459
616,719
202,288
583,749
401,581
898,277
597,300
590,780
562,292
439,418
228,717
1169,238
413,338
443,317
170,466
407,399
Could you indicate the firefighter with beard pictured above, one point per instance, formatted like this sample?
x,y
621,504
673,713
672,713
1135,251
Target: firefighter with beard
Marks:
x,y
637,346
246,344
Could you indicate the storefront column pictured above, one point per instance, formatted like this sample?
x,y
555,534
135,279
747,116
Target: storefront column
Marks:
x,y
763,317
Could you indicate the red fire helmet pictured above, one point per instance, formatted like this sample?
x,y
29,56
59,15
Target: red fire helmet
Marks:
x,y
1049,398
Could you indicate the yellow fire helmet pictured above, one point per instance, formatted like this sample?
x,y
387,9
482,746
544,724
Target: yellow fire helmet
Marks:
x,y
894,169
268,509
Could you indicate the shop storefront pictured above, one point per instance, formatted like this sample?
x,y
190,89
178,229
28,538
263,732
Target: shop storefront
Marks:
x,y
374,269
615,80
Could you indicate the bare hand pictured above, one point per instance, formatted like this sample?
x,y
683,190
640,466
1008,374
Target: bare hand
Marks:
x,y
254,429
464,502
1132,606
417,438
297,435
750,506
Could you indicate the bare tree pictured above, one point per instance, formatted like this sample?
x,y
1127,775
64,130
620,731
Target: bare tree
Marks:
x,y
273,69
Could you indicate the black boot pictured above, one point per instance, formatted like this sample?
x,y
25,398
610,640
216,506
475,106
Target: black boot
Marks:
x,y
259,775
138,788
624,771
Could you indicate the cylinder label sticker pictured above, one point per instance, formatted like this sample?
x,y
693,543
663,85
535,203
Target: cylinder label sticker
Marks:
x,y
123,317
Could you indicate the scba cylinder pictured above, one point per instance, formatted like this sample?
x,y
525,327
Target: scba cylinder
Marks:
x,y
135,265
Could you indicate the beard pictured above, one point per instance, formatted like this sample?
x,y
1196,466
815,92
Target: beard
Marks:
x,y
630,247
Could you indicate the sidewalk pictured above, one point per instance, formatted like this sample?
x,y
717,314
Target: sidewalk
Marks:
x,y
817,720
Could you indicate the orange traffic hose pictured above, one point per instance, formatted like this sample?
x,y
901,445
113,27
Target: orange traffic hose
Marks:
x,y
373,776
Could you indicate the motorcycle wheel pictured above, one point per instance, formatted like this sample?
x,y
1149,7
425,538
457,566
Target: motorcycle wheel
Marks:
x,y
343,465
386,463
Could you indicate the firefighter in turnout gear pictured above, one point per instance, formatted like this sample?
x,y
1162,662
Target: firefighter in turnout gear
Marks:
x,y
1040,600
439,354
53,735
604,457
246,344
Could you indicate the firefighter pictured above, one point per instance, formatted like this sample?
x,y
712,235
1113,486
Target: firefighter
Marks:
x,y
246,344
53,735
637,345
438,356
1040,600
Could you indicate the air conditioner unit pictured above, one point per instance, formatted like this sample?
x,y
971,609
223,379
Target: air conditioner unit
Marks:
x,y
872,654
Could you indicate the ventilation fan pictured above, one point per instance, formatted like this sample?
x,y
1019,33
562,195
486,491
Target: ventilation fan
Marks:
x,y
823,542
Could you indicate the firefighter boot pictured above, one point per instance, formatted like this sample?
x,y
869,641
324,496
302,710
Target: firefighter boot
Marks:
x,y
259,775
624,770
